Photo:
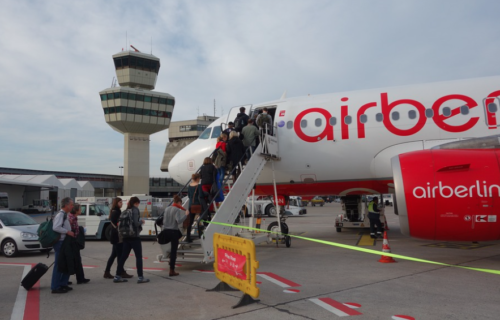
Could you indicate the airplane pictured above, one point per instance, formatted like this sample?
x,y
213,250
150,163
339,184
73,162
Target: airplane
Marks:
x,y
435,146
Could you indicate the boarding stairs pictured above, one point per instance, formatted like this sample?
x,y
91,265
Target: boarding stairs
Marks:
x,y
201,249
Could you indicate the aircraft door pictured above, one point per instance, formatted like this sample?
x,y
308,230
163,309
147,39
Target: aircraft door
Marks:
x,y
492,110
233,112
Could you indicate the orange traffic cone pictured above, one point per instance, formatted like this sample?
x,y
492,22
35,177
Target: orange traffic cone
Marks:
x,y
386,248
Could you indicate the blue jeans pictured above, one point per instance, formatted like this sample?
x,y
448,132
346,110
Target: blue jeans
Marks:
x,y
58,279
128,245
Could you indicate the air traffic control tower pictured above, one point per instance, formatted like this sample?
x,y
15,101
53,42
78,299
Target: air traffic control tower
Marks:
x,y
137,112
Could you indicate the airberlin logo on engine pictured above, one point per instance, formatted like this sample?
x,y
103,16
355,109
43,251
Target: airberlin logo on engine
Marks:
x,y
483,190
386,107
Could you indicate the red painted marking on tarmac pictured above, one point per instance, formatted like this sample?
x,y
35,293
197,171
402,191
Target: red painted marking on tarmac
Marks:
x,y
32,307
91,266
204,271
280,279
339,306
258,282
352,305
400,317
291,291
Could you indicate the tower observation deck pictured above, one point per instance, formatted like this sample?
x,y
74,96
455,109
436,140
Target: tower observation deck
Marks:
x,y
136,111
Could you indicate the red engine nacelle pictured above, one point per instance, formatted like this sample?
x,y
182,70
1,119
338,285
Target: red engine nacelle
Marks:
x,y
451,195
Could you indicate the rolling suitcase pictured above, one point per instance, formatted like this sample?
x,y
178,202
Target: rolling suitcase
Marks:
x,y
34,275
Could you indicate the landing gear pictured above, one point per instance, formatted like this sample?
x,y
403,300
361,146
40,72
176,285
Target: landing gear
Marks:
x,y
282,237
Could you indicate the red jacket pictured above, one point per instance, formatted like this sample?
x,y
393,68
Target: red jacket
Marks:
x,y
221,144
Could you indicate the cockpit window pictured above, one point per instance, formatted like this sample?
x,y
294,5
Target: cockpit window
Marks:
x,y
216,132
205,134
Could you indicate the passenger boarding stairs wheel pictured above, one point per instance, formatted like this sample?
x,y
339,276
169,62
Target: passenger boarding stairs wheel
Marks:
x,y
274,229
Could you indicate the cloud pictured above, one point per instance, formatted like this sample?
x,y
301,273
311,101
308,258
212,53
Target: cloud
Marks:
x,y
56,57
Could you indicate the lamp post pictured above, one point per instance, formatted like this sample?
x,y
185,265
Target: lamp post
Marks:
x,y
121,170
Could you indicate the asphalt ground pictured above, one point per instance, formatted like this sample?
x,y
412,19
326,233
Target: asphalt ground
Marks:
x,y
323,274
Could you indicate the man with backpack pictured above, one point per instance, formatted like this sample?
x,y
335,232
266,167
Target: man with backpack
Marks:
x,y
61,225
265,122
241,120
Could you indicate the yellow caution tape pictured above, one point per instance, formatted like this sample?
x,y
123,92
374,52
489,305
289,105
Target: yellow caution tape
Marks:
x,y
346,246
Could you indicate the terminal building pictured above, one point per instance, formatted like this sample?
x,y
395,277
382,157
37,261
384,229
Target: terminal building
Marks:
x,y
182,133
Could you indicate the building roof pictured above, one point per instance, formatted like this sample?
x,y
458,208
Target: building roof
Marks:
x,y
70,184
23,183
86,185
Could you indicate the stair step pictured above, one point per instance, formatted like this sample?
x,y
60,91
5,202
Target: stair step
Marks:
x,y
190,251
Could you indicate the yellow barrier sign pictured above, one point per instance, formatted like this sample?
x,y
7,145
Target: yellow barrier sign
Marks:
x,y
235,263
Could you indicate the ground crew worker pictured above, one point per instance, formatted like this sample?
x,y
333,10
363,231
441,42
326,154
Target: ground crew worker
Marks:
x,y
374,216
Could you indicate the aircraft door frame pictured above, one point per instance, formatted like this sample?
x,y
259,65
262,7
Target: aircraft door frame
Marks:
x,y
491,117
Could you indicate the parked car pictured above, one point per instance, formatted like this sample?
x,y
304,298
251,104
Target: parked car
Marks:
x,y
317,201
18,232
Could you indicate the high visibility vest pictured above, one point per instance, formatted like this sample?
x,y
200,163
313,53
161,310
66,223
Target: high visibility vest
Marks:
x,y
370,207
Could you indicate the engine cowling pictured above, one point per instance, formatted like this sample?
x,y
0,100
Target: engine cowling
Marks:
x,y
450,195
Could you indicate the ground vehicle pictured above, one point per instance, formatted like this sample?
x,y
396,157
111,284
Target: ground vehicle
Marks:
x,y
317,200
266,206
18,232
95,215
355,213
38,206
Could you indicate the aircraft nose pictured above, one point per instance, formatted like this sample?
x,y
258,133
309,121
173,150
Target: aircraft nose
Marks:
x,y
177,168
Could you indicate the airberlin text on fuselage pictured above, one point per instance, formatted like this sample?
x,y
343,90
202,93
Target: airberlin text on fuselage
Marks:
x,y
386,107
476,190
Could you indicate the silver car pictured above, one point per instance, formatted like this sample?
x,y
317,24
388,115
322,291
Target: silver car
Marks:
x,y
18,232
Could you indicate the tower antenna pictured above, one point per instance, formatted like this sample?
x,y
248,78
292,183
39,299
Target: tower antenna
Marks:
x,y
151,44
126,39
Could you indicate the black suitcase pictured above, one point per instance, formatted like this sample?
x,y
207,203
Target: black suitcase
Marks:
x,y
34,275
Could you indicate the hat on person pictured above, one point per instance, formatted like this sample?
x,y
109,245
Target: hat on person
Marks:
x,y
230,123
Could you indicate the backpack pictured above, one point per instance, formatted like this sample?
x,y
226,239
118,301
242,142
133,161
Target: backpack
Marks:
x,y
46,234
260,120
125,225
240,122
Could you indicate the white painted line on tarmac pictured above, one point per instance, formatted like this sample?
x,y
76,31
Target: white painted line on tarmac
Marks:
x,y
335,307
22,294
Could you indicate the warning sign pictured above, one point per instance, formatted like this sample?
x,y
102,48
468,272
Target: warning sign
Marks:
x,y
467,218
492,218
231,263
481,218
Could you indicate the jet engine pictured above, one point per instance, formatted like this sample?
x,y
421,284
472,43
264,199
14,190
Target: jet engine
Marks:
x,y
448,194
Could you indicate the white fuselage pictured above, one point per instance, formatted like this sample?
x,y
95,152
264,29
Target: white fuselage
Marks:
x,y
342,143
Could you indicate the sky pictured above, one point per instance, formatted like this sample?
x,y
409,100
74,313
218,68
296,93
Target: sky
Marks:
x,y
56,57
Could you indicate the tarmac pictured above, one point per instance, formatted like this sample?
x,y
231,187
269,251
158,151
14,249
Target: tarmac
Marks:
x,y
309,280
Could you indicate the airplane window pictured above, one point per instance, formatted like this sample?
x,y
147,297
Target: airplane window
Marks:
x,y
289,124
395,116
446,111
379,117
347,119
216,132
363,118
492,107
429,113
303,123
205,134
464,109
317,122
333,121
412,114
